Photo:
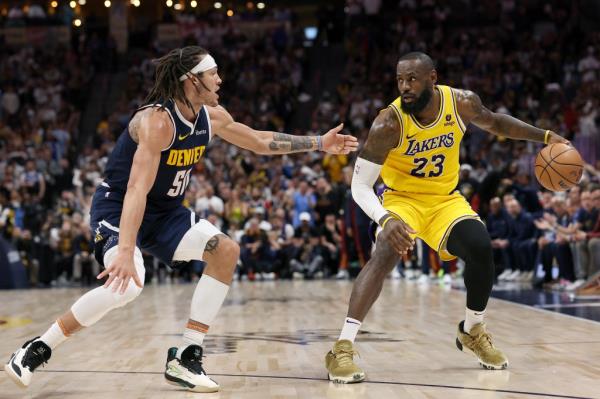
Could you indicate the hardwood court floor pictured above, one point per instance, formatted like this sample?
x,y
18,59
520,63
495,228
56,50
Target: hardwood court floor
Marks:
x,y
270,339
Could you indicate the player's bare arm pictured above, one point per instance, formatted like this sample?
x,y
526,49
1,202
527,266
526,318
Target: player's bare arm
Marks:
x,y
153,131
384,136
265,142
472,110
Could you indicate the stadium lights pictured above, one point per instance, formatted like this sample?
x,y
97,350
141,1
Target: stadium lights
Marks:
x,y
169,3
218,5
82,2
77,22
135,3
178,6
107,3
54,4
230,13
193,3
72,4
260,5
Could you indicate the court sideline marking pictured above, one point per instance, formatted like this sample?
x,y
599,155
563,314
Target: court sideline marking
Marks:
x,y
323,379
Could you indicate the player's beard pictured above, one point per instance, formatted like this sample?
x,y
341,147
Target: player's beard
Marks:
x,y
419,104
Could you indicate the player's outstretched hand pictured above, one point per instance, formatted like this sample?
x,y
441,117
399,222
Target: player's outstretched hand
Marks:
x,y
557,138
335,143
120,271
397,234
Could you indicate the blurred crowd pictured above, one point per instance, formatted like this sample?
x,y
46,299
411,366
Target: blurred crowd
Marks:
x,y
42,95
293,215
36,13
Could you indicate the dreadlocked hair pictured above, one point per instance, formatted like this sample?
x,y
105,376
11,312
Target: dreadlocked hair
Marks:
x,y
169,69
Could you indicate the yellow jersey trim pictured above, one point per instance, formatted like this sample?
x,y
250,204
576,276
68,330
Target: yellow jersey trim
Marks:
x,y
440,112
442,248
399,115
456,115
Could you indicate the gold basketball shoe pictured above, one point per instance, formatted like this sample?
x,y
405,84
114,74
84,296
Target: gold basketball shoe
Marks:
x,y
479,342
340,364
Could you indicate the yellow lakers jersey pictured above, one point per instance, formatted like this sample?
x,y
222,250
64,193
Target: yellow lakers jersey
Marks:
x,y
426,159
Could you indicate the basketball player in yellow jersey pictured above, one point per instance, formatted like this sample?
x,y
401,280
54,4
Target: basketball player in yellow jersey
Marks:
x,y
414,146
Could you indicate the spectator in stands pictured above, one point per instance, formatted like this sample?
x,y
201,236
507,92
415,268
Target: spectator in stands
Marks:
x,y
326,201
588,240
208,203
584,221
304,202
33,181
85,266
236,210
498,224
250,245
284,230
331,240
308,254
523,242
466,184
554,245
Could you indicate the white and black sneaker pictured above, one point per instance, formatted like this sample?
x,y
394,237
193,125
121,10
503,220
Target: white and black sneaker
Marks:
x,y
23,362
187,372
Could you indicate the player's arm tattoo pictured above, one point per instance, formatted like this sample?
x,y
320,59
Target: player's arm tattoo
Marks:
x,y
471,109
383,137
287,143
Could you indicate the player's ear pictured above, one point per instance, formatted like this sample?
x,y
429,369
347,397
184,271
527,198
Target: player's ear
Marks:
x,y
433,76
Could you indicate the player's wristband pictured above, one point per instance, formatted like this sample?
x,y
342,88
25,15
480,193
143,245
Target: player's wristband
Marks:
x,y
386,220
546,136
319,143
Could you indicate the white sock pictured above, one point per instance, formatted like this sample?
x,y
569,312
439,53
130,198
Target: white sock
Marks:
x,y
350,329
53,336
206,302
472,317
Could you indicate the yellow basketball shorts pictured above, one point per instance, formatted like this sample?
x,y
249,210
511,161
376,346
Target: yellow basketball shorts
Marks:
x,y
431,216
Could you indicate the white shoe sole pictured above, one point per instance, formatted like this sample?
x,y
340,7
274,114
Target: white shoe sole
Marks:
x,y
483,364
197,388
356,378
13,376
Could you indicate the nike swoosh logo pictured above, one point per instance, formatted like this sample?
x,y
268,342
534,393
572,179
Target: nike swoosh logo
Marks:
x,y
184,136
410,137
351,322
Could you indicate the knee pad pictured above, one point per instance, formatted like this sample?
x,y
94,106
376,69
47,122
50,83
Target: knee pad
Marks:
x,y
193,243
132,291
98,302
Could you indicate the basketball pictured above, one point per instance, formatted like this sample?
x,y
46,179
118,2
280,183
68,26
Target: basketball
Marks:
x,y
558,167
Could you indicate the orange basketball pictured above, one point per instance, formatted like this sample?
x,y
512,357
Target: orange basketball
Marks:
x,y
558,167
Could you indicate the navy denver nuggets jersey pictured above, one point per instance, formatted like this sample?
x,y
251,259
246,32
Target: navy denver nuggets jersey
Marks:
x,y
176,162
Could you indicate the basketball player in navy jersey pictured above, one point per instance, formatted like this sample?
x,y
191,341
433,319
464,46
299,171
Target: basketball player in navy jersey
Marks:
x,y
138,206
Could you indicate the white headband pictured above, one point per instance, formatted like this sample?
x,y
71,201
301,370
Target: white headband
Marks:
x,y
207,63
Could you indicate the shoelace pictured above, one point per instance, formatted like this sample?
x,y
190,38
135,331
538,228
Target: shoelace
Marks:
x,y
33,360
195,365
344,357
484,340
